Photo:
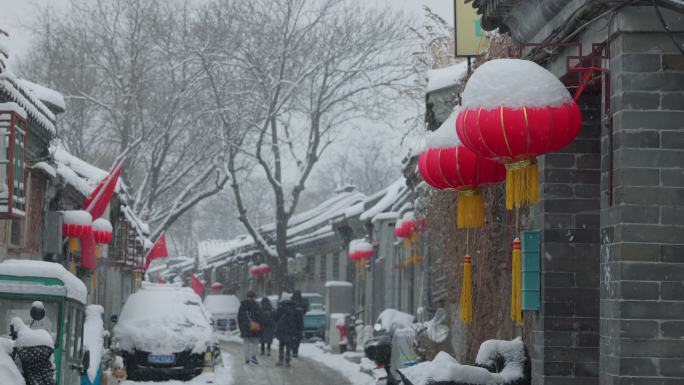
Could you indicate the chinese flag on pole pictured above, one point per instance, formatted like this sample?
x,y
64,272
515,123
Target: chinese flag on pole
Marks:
x,y
197,285
157,251
97,201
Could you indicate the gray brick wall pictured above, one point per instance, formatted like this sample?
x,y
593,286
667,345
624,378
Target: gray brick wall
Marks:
x,y
642,232
565,334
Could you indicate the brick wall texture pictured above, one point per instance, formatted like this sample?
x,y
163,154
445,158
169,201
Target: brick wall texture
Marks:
x,y
642,231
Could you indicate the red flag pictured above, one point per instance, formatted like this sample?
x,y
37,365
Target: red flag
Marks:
x,y
97,189
88,256
197,285
97,202
160,279
157,251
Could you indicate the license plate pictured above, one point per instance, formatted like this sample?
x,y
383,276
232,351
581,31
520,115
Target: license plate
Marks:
x,y
161,358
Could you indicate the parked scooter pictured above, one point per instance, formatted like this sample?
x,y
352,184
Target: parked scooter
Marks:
x,y
395,338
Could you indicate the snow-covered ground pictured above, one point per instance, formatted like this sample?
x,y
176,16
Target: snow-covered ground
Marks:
x,y
221,376
337,362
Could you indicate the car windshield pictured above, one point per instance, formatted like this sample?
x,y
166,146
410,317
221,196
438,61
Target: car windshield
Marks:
x,y
11,307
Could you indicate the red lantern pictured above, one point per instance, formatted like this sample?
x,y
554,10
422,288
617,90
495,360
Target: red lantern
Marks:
x,y
216,286
76,224
528,113
102,231
461,169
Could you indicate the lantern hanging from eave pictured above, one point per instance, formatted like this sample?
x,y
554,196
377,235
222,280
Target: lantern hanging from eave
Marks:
x,y
76,224
513,111
448,165
360,251
265,270
102,232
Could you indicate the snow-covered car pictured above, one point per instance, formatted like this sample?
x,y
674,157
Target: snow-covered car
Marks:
x,y
163,333
224,310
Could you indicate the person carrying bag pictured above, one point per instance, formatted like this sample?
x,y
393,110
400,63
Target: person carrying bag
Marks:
x,y
250,322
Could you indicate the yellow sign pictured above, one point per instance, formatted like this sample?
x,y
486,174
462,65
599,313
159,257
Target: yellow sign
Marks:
x,y
470,38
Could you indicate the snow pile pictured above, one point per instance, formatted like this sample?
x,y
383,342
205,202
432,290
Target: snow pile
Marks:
x,y
75,289
445,136
338,363
513,83
444,368
222,304
392,319
43,94
9,373
446,77
93,338
163,318
27,337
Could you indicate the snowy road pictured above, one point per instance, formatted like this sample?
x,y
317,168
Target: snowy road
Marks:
x,y
304,371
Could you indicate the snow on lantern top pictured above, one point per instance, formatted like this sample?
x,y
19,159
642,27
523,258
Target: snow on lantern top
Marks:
x,y
513,83
360,249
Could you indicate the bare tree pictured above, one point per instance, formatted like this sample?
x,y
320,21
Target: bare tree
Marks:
x,y
305,70
123,67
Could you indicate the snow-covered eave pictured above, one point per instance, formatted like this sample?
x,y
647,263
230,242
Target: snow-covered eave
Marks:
x,y
446,78
36,109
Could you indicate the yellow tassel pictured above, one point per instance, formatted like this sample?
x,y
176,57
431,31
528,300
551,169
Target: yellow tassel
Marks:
x,y
516,283
94,280
470,209
466,308
73,245
522,184
72,265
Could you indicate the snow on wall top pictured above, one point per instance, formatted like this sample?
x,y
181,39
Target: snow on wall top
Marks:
x,y
390,195
513,83
27,268
446,77
338,284
445,136
44,94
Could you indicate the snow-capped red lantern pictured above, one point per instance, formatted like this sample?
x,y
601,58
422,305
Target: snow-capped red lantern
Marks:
x,y
76,224
448,165
254,271
360,250
513,111
217,286
408,223
102,231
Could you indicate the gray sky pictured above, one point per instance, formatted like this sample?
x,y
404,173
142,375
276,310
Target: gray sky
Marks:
x,y
16,14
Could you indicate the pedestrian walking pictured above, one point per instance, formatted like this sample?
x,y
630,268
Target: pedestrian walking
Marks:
x,y
302,306
288,323
266,338
250,322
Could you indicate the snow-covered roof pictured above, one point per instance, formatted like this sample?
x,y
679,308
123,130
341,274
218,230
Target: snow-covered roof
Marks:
x,y
44,94
75,289
445,136
390,196
34,108
446,77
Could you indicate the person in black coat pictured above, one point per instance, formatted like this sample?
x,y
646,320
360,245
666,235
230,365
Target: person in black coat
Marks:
x,y
266,338
302,306
288,323
250,322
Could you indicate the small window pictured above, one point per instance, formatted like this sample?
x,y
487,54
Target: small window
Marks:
x,y
13,130
322,267
336,266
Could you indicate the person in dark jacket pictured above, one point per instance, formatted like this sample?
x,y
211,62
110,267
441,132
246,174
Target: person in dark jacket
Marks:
x,y
288,323
266,338
302,306
250,322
